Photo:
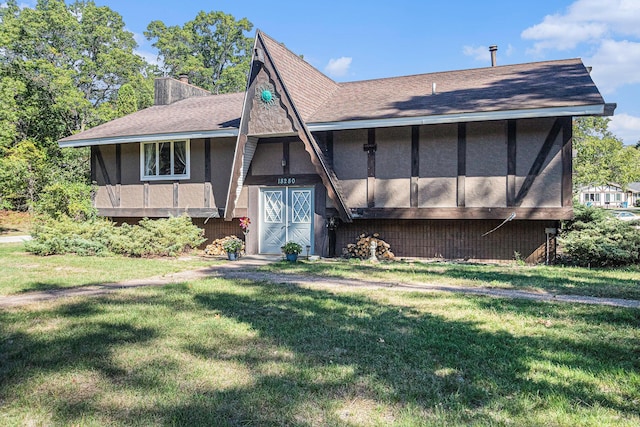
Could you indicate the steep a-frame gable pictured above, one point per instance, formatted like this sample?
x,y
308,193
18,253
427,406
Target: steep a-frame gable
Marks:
x,y
270,109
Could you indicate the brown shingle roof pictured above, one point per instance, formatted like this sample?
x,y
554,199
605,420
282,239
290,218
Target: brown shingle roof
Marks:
x,y
512,87
318,99
202,113
307,86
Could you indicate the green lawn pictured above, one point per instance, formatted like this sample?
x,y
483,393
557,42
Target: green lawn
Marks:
x,y
229,352
22,272
222,352
612,283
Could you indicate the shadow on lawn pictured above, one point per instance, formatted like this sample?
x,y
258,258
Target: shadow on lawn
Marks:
x,y
343,348
559,280
399,356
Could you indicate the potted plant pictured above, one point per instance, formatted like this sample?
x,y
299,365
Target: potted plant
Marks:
x,y
292,250
232,246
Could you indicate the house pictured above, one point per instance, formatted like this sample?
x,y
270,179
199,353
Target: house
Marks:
x,y
611,195
472,164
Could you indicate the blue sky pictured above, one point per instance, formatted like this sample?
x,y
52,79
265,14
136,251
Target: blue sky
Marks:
x,y
357,40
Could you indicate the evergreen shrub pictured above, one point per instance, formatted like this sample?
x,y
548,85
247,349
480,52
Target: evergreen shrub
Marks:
x,y
595,238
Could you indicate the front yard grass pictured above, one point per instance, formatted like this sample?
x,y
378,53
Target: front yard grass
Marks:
x,y
227,352
23,272
609,283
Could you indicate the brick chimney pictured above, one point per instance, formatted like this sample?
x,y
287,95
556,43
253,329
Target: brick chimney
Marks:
x,y
168,90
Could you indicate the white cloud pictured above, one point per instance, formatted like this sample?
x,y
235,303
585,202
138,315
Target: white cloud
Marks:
x,y
482,54
615,64
338,67
585,21
479,53
626,127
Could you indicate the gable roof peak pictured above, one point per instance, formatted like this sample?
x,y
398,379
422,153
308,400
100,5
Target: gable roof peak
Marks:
x,y
308,87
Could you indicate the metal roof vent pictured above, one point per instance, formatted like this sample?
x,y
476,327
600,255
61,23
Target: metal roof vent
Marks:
x,y
493,49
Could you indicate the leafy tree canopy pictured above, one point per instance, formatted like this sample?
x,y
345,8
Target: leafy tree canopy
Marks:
x,y
602,158
61,69
212,50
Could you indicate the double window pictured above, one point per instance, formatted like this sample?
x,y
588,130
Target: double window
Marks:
x,y
164,160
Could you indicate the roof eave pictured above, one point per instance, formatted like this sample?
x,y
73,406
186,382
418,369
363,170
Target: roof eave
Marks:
x,y
582,110
218,133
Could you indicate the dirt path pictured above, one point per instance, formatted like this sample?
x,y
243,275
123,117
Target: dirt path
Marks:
x,y
246,269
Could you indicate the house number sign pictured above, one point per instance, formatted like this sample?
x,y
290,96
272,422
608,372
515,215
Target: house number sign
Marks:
x,y
286,181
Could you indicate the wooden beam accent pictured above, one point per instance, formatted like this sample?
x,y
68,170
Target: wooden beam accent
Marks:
x,y
415,165
145,197
462,163
105,177
286,157
567,162
207,172
207,159
118,163
465,213
93,164
176,194
118,172
511,161
539,161
163,212
370,147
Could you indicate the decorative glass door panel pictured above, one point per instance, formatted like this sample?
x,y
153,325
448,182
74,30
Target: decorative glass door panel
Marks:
x,y
286,214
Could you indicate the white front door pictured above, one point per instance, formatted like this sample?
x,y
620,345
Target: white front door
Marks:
x,y
286,214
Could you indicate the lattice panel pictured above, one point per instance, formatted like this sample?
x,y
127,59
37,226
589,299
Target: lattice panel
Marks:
x,y
273,207
301,206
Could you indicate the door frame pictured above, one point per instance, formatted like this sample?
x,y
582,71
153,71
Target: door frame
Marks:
x,y
287,213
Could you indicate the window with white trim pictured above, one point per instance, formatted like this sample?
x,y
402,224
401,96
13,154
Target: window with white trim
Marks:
x,y
164,160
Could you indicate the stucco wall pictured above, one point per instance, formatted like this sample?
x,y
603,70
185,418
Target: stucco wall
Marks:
x,y
546,189
130,160
438,158
222,150
267,159
393,167
350,164
300,161
485,182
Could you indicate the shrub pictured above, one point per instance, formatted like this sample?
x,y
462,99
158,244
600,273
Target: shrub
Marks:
x,y
63,236
595,238
161,237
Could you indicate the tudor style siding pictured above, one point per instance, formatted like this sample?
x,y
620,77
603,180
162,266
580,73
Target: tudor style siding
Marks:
x,y
454,170
121,193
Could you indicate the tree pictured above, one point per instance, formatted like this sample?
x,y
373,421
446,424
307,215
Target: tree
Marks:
x,y
212,49
61,67
601,157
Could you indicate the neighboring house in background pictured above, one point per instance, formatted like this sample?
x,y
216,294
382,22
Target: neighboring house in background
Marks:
x,y
610,196
432,162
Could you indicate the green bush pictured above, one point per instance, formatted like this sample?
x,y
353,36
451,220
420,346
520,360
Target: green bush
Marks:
x,y
62,235
595,238
166,237
161,237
